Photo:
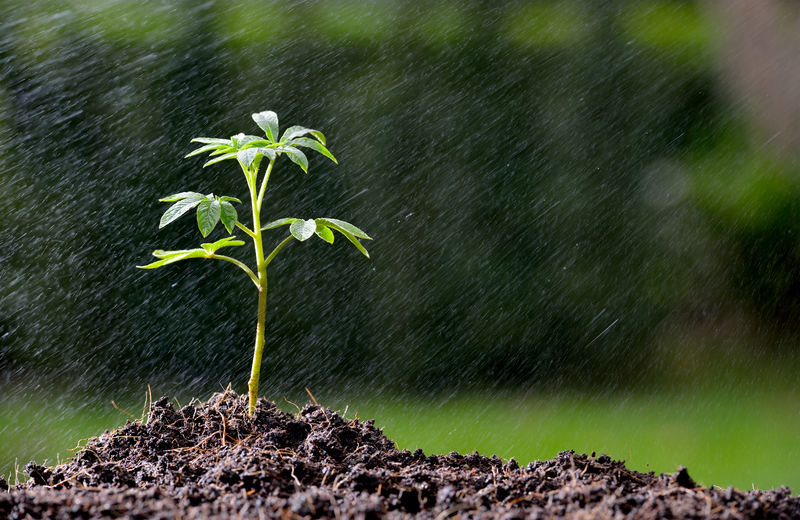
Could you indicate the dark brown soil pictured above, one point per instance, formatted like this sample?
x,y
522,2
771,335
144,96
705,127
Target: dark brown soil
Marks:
x,y
211,460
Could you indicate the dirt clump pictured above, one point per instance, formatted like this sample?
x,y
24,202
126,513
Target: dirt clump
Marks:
x,y
211,460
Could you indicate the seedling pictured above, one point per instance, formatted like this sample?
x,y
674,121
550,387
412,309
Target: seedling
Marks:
x,y
249,151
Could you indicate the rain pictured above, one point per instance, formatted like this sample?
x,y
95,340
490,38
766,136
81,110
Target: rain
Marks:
x,y
585,218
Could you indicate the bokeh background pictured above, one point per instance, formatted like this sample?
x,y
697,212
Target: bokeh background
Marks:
x,y
585,214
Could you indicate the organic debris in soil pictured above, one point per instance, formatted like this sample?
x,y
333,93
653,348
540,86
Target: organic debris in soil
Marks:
x,y
211,460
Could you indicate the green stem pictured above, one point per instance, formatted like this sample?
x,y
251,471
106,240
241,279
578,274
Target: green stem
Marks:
x,y
234,261
245,229
255,201
277,249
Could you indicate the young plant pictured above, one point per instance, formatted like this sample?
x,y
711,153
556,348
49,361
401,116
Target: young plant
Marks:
x,y
249,151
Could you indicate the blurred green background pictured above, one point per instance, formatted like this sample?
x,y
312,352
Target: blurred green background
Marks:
x,y
586,218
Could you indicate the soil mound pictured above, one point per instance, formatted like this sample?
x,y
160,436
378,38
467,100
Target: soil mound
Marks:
x,y
210,460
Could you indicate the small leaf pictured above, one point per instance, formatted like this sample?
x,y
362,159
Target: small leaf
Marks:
x,y
220,158
181,195
268,122
212,140
170,257
224,149
278,223
246,157
233,199
324,233
347,234
269,153
314,145
350,228
212,248
208,214
297,157
228,215
257,143
206,148
303,229
178,209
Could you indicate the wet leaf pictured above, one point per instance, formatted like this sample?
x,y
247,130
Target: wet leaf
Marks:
x,y
208,214
334,224
181,195
268,122
314,145
225,157
212,140
297,157
325,233
170,257
350,228
246,157
228,215
178,209
296,131
206,148
212,247
302,230
277,223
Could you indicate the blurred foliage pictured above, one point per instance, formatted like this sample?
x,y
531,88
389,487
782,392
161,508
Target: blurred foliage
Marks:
x,y
546,182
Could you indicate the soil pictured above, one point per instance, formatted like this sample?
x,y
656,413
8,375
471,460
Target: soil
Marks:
x,y
210,460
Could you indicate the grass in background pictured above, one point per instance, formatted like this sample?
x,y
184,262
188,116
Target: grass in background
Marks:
x,y
740,438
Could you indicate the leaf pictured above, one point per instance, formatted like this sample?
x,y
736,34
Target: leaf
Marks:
x,y
208,213
181,195
246,157
234,199
170,257
256,144
268,152
347,234
278,223
350,228
268,122
296,131
220,158
212,248
206,148
178,209
314,145
297,157
303,229
228,215
325,233
212,140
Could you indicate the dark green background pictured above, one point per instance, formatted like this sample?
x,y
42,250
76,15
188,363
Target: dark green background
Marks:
x,y
561,195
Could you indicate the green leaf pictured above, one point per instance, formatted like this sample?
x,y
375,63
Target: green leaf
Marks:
x,y
314,145
325,233
257,144
212,140
212,248
268,153
332,223
297,131
178,209
233,199
224,149
297,157
278,223
303,229
246,157
208,214
170,257
228,215
350,228
206,148
268,122
181,195
220,158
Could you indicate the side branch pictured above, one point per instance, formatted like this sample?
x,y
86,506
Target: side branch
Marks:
x,y
246,230
236,262
277,249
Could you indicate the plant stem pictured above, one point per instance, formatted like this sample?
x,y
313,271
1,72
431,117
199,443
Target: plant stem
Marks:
x,y
241,265
255,201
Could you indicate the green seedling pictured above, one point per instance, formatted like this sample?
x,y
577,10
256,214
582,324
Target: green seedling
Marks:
x,y
250,151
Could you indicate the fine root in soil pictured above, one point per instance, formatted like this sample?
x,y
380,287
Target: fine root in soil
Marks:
x,y
211,460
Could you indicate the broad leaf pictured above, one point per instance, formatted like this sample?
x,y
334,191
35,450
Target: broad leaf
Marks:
x,y
297,131
233,199
269,153
208,214
206,148
170,257
350,228
212,140
297,157
268,122
212,248
257,143
325,233
178,209
302,230
246,157
314,145
181,195
228,215
278,223
220,158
